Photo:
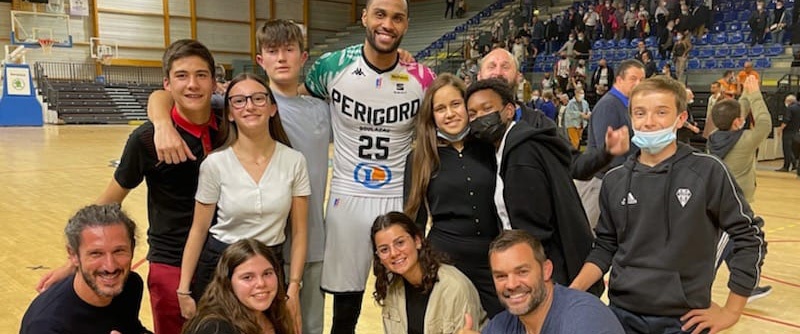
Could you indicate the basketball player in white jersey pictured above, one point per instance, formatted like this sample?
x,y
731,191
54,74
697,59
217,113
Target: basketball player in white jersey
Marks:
x,y
374,98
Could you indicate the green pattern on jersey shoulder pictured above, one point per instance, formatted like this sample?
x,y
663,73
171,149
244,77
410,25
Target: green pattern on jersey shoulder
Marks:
x,y
327,67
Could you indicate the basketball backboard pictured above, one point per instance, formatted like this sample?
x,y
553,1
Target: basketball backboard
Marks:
x,y
27,28
103,50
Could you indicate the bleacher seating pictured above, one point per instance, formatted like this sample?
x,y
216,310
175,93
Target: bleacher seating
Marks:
x,y
93,103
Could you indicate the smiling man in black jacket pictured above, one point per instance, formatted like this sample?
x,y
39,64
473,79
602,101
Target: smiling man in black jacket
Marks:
x,y
663,213
534,191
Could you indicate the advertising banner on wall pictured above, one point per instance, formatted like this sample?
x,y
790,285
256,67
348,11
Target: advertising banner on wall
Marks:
x,y
79,7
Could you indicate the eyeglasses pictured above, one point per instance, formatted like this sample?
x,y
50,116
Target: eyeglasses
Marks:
x,y
240,101
399,244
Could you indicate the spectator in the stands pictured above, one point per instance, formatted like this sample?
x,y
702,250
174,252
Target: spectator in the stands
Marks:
x,y
699,17
684,20
568,48
550,35
667,70
629,20
641,49
537,32
642,25
591,20
665,41
758,24
650,68
716,95
680,53
602,77
562,71
548,107
548,83
779,22
583,47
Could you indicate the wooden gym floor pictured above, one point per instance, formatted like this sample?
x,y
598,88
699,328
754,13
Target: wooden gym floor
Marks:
x,y
47,173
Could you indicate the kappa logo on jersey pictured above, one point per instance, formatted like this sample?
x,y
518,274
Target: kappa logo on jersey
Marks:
x,y
683,195
359,72
372,176
629,200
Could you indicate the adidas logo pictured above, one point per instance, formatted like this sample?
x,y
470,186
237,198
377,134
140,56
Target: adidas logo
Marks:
x,y
630,200
359,72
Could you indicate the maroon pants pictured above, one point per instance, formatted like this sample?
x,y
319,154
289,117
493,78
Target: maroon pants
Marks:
x,y
162,282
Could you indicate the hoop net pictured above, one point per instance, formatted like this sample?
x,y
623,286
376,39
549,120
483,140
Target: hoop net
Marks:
x,y
105,59
47,45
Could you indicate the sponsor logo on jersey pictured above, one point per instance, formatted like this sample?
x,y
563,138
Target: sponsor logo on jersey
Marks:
x,y
374,116
378,82
400,87
401,77
371,175
359,72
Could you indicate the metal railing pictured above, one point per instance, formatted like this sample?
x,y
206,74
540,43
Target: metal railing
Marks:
x,y
86,72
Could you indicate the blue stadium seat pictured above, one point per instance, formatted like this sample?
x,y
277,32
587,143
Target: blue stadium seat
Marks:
x,y
623,43
611,44
622,55
746,28
592,67
702,40
710,64
762,63
728,16
722,51
734,26
726,63
773,50
756,50
635,42
694,52
693,64
718,27
706,53
740,62
650,41
735,38
596,55
718,38
598,45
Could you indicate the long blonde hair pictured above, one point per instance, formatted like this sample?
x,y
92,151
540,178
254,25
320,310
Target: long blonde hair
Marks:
x,y
425,156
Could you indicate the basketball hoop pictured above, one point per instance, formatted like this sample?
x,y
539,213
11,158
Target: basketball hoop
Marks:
x,y
47,45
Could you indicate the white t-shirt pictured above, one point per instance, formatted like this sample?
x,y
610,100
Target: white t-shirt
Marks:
x,y
372,113
247,209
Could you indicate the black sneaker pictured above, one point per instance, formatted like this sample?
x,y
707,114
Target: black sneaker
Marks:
x,y
759,292
782,170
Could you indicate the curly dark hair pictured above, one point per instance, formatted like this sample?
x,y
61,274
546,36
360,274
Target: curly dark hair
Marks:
x,y
219,302
428,259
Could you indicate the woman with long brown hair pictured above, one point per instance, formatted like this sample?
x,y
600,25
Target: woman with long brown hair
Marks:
x,y
246,296
254,184
417,292
450,179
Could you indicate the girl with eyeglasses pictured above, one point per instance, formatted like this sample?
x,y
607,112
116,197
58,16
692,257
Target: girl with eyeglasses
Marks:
x,y
417,292
254,182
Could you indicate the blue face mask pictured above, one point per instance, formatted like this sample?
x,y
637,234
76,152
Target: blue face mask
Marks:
x,y
453,138
654,142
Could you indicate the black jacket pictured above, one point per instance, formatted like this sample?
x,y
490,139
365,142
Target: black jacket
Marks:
x,y
541,198
660,227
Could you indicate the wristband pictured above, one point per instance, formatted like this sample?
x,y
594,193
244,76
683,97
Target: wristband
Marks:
x,y
298,281
181,293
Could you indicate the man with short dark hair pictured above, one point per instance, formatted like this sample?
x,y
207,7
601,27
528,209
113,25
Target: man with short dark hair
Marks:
x,y
104,295
611,111
534,303
533,163
189,79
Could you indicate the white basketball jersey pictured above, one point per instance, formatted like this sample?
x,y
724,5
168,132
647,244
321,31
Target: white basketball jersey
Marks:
x,y
373,115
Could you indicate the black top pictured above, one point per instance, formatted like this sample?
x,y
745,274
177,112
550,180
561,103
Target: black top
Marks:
x,y
416,305
60,310
461,193
792,119
170,191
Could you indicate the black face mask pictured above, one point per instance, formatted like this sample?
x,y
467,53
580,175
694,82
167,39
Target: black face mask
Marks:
x,y
489,128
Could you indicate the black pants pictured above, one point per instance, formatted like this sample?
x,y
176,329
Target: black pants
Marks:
x,y
450,8
346,309
789,158
637,323
757,37
207,264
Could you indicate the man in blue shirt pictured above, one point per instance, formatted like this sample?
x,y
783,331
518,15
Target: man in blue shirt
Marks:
x,y
534,304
